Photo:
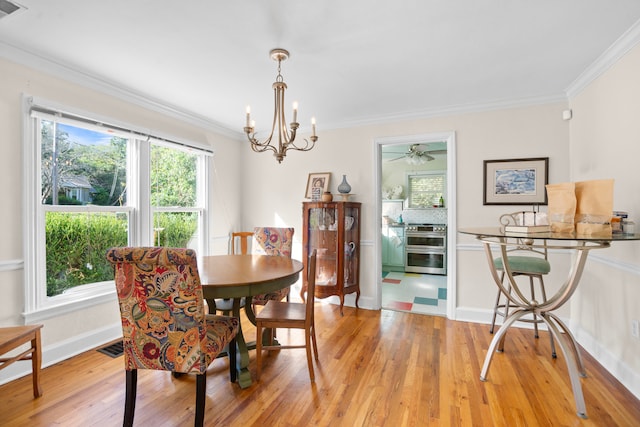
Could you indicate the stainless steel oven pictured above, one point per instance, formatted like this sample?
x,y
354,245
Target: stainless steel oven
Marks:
x,y
425,248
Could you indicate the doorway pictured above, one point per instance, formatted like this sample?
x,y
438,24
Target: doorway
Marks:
x,y
413,149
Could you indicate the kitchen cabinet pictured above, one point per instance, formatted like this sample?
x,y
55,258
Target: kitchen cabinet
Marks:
x,y
333,229
393,247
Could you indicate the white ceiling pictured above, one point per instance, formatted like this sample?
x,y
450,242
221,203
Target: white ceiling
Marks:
x,y
352,62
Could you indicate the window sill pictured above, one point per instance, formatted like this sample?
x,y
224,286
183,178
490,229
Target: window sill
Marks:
x,y
78,303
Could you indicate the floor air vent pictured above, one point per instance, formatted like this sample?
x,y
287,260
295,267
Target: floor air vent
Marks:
x,y
113,350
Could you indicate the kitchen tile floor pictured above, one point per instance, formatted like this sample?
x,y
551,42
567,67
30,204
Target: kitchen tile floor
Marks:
x,y
417,293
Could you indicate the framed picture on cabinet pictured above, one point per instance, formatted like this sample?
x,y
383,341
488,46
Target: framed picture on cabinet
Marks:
x,y
317,183
516,181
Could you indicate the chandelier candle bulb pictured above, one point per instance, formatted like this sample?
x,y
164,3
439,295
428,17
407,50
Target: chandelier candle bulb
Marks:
x,y
295,111
313,126
248,116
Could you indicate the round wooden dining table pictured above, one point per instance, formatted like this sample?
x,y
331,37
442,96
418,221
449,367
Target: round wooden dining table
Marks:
x,y
243,276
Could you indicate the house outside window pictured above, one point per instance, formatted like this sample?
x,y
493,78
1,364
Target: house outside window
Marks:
x,y
93,187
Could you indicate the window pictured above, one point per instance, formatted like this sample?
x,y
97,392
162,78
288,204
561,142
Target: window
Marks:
x,y
425,189
94,186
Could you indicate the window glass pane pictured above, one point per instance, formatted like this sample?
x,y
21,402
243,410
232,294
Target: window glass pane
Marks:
x,y
82,166
425,190
75,247
173,177
176,229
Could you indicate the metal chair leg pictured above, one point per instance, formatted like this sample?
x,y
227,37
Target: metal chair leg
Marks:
x,y
533,297
544,298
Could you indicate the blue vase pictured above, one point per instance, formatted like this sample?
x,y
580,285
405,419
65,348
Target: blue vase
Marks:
x,y
344,186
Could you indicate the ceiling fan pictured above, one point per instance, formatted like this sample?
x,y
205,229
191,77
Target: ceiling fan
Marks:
x,y
417,156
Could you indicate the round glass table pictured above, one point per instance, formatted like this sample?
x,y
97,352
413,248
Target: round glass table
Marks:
x,y
494,238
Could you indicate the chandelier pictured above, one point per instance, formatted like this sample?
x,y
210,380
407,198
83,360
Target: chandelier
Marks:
x,y
286,137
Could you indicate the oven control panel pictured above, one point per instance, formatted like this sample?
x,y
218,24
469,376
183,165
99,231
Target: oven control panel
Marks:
x,y
429,228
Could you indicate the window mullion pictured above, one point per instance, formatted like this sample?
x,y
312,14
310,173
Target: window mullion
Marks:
x,y
141,174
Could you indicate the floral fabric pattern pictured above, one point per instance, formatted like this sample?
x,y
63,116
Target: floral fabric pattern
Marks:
x,y
272,241
163,320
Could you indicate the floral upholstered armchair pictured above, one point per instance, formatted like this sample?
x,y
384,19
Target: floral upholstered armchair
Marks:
x,y
163,320
272,241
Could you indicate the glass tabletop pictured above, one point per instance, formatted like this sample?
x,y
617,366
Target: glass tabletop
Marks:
x,y
498,232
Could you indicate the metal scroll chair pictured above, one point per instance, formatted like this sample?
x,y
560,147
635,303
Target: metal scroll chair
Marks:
x,y
164,325
280,314
272,241
524,260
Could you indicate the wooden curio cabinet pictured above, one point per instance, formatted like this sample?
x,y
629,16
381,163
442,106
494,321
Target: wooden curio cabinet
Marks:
x,y
333,228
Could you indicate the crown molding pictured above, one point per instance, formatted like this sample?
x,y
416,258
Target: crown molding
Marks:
x,y
606,60
49,66
452,110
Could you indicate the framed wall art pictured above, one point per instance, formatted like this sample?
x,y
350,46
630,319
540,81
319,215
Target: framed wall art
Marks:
x,y
516,181
317,183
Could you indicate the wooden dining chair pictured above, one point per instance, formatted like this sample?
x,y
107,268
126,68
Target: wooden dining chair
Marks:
x,y
243,238
272,241
294,315
225,305
164,325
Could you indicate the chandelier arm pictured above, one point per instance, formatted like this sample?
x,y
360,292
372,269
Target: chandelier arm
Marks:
x,y
307,145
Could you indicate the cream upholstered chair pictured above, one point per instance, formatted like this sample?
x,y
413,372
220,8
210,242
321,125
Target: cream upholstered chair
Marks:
x,y
524,260
280,314
272,241
163,320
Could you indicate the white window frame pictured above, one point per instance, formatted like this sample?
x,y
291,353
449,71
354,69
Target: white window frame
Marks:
x,y
39,306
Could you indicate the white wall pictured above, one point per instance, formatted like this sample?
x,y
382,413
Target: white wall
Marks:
x,y
605,143
77,331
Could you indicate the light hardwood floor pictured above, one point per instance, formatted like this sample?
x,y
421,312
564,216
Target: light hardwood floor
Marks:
x,y
376,369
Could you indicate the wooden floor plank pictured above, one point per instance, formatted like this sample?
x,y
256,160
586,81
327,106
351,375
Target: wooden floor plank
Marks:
x,y
376,368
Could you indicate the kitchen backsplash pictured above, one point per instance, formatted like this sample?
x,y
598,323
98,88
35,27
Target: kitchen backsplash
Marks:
x,y
425,216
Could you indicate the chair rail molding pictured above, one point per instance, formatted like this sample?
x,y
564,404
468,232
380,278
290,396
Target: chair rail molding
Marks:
x,y
11,264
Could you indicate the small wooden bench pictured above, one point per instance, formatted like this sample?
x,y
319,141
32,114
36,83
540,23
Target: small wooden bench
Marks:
x,y
13,337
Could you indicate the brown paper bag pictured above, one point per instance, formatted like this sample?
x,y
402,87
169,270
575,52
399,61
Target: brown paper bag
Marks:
x,y
594,207
562,207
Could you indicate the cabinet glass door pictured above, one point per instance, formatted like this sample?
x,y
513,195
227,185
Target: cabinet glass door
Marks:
x,y
351,242
323,236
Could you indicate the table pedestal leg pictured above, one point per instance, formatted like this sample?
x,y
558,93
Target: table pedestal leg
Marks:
x,y
571,363
242,355
571,353
497,339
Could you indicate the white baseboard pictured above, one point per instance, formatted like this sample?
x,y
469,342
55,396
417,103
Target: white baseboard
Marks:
x,y
623,372
63,350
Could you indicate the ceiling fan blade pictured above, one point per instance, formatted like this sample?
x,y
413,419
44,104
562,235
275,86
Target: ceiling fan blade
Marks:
x,y
397,158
